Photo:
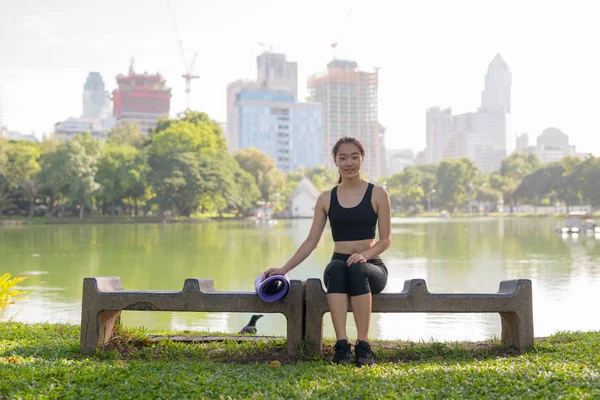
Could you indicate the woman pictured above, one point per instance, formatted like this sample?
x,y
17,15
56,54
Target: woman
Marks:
x,y
355,270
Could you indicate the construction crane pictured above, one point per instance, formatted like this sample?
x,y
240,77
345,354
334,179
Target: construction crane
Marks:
x,y
189,68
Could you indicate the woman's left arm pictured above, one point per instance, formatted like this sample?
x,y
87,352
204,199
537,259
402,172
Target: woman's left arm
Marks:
x,y
384,216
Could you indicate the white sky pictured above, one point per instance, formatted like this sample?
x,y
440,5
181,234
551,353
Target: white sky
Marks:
x,y
432,53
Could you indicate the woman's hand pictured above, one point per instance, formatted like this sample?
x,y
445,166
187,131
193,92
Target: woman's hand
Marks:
x,y
355,259
273,271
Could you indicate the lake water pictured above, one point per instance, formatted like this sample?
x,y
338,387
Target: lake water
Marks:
x,y
453,256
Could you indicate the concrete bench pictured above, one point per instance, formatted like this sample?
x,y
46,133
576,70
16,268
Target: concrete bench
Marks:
x,y
513,301
104,298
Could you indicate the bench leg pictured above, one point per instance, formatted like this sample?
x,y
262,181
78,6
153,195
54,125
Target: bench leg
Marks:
x,y
294,335
96,329
314,330
517,330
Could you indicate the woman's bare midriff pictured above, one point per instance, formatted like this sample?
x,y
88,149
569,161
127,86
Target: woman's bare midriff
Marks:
x,y
354,246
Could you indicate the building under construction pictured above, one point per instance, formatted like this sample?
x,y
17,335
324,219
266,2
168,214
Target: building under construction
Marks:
x,y
349,100
142,99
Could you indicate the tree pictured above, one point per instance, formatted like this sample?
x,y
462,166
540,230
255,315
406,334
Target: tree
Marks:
x,y
119,169
586,179
455,181
128,133
177,180
566,186
224,191
20,167
268,178
53,176
512,171
406,189
83,152
192,131
21,162
179,155
322,177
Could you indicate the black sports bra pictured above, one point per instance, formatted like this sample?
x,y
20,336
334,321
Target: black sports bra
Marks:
x,y
355,223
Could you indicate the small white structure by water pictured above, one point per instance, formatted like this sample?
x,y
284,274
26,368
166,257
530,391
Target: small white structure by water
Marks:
x,y
301,203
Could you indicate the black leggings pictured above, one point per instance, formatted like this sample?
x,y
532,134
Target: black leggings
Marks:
x,y
355,279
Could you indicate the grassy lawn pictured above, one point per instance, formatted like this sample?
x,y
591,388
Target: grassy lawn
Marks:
x,y
43,361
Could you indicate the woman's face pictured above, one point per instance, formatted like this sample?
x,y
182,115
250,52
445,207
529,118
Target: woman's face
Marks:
x,y
348,160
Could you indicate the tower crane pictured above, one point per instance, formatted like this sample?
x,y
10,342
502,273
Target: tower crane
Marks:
x,y
189,68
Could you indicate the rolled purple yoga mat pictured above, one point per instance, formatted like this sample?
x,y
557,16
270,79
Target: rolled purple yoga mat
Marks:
x,y
273,288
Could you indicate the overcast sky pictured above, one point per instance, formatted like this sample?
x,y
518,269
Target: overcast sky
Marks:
x,y
432,53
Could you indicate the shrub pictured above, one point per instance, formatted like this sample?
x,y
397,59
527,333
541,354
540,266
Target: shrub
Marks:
x,y
7,291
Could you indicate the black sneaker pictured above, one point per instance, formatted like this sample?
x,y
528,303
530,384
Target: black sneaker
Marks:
x,y
364,354
342,355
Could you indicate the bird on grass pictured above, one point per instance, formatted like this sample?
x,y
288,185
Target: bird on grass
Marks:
x,y
251,327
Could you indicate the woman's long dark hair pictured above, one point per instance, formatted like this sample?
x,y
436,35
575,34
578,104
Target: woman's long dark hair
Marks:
x,y
344,140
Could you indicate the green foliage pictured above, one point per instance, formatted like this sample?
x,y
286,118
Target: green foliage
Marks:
x,y
122,170
322,177
268,178
8,292
127,134
54,176
83,152
191,132
44,361
21,162
406,189
454,183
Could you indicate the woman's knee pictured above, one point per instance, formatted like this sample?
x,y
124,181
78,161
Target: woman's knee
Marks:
x,y
365,278
358,282
335,277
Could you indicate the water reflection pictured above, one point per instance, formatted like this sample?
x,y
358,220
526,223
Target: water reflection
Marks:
x,y
456,255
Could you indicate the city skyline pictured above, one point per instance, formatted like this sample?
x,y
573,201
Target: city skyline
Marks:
x,y
430,53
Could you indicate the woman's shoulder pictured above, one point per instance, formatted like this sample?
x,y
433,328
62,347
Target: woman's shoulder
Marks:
x,y
325,196
379,190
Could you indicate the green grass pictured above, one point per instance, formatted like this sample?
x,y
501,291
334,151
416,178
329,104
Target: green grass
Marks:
x,y
43,361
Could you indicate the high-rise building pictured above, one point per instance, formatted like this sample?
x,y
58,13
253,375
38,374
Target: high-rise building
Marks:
x,y
498,81
287,130
97,116
349,99
438,125
232,131
522,142
96,100
142,99
399,160
481,135
552,145
274,72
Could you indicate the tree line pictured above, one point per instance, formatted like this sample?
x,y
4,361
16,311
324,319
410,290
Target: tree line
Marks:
x,y
522,179
182,167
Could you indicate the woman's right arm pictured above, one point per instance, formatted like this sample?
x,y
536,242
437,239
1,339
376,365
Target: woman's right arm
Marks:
x,y
311,241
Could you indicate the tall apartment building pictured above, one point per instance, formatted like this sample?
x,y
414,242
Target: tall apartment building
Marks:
x,y
276,124
231,125
481,135
141,99
274,72
349,100
264,113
